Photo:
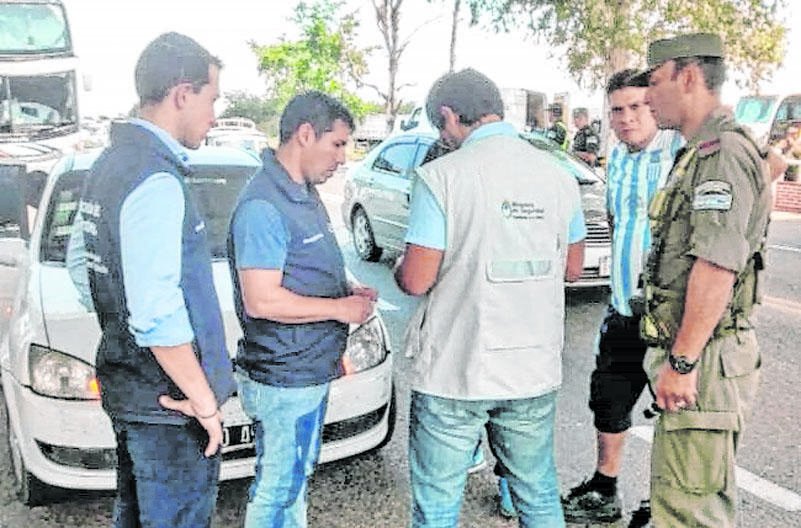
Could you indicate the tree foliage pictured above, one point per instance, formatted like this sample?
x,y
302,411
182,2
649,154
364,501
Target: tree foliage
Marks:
x,y
600,37
262,110
324,58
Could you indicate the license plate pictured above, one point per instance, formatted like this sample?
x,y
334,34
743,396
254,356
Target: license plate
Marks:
x,y
238,436
603,266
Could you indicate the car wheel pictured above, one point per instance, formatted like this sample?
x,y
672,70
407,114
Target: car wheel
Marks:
x,y
392,413
29,489
363,239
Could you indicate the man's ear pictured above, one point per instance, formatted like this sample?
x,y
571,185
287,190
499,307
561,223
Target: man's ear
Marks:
x,y
179,95
690,76
448,115
305,134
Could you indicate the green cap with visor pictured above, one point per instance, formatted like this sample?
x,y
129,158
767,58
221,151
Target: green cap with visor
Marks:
x,y
681,46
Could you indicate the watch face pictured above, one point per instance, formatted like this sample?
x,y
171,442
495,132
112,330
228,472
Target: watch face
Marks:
x,y
681,364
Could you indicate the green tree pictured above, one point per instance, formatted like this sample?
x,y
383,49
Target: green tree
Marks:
x,y
324,58
600,37
262,110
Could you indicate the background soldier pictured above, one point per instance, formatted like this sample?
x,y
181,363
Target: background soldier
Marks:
x,y
557,132
586,142
709,228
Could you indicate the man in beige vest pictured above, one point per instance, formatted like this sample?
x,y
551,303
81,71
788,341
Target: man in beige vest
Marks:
x,y
700,286
494,228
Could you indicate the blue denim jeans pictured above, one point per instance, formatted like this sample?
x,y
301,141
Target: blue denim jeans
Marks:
x,y
288,423
163,478
442,437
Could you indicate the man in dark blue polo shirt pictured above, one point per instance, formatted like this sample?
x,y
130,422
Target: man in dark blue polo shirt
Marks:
x,y
294,304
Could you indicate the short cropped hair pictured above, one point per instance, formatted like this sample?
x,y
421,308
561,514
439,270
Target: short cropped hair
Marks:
x,y
623,79
581,111
713,69
316,108
169,60
470,94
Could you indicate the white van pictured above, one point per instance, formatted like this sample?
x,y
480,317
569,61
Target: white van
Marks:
x,y
769,116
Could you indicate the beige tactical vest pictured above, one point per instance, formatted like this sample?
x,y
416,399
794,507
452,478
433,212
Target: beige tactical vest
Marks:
x,y
492,326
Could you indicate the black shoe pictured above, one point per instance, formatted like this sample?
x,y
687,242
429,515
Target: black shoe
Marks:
x,y
586,504
641,517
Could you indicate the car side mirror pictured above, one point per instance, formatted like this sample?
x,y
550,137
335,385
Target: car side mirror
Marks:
x,y
403,125
13,202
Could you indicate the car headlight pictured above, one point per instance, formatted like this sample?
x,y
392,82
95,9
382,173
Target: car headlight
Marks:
x,y
59,375
366,347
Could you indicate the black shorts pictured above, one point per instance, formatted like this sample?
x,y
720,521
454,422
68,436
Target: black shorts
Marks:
x,y
618,378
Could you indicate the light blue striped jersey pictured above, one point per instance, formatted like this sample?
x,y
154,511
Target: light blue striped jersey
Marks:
x,y
633,178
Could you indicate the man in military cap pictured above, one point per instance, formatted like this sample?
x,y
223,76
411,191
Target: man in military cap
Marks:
x,y
586,142
557,132
709,224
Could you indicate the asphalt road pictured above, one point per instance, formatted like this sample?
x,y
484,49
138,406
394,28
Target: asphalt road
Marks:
x,y
373,490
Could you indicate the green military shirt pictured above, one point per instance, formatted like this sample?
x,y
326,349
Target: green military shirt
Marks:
x,y
721,210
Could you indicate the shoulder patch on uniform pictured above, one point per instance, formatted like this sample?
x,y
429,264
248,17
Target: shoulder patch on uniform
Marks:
x,y
708,147
713,195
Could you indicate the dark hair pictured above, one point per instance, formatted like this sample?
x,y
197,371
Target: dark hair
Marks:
x,y
713,69
169,60
316,108
623,79
470,94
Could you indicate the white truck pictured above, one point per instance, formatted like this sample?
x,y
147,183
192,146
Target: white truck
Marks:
x,y
370,131
523,108
39,118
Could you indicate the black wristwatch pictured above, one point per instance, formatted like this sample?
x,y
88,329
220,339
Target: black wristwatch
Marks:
x,y
681,364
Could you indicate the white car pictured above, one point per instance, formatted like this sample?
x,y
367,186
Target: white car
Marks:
x,y
378,190
58,433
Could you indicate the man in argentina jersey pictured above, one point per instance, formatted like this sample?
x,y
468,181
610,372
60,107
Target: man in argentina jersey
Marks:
x,y
638,167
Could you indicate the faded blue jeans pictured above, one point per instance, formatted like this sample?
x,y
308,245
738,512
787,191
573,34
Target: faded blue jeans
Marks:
x,y
443,433
288,423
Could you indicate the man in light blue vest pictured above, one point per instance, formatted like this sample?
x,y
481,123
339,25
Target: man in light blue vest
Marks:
x,y
140,245
494,229
294,304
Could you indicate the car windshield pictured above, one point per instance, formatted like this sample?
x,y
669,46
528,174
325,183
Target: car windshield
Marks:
x,y
214,189
37,103
29,28
577,168
754,109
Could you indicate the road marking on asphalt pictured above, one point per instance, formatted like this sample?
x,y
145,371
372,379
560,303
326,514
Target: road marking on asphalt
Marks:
x,y
782,304
786,248
764,489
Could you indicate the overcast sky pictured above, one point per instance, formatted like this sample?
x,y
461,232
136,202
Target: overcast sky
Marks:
x,y
110,34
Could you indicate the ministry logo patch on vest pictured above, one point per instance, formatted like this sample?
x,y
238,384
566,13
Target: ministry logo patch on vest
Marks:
x,y
522,210
712,195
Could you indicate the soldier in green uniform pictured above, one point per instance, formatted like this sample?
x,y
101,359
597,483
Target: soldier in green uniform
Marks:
x,y
557,132
709,225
